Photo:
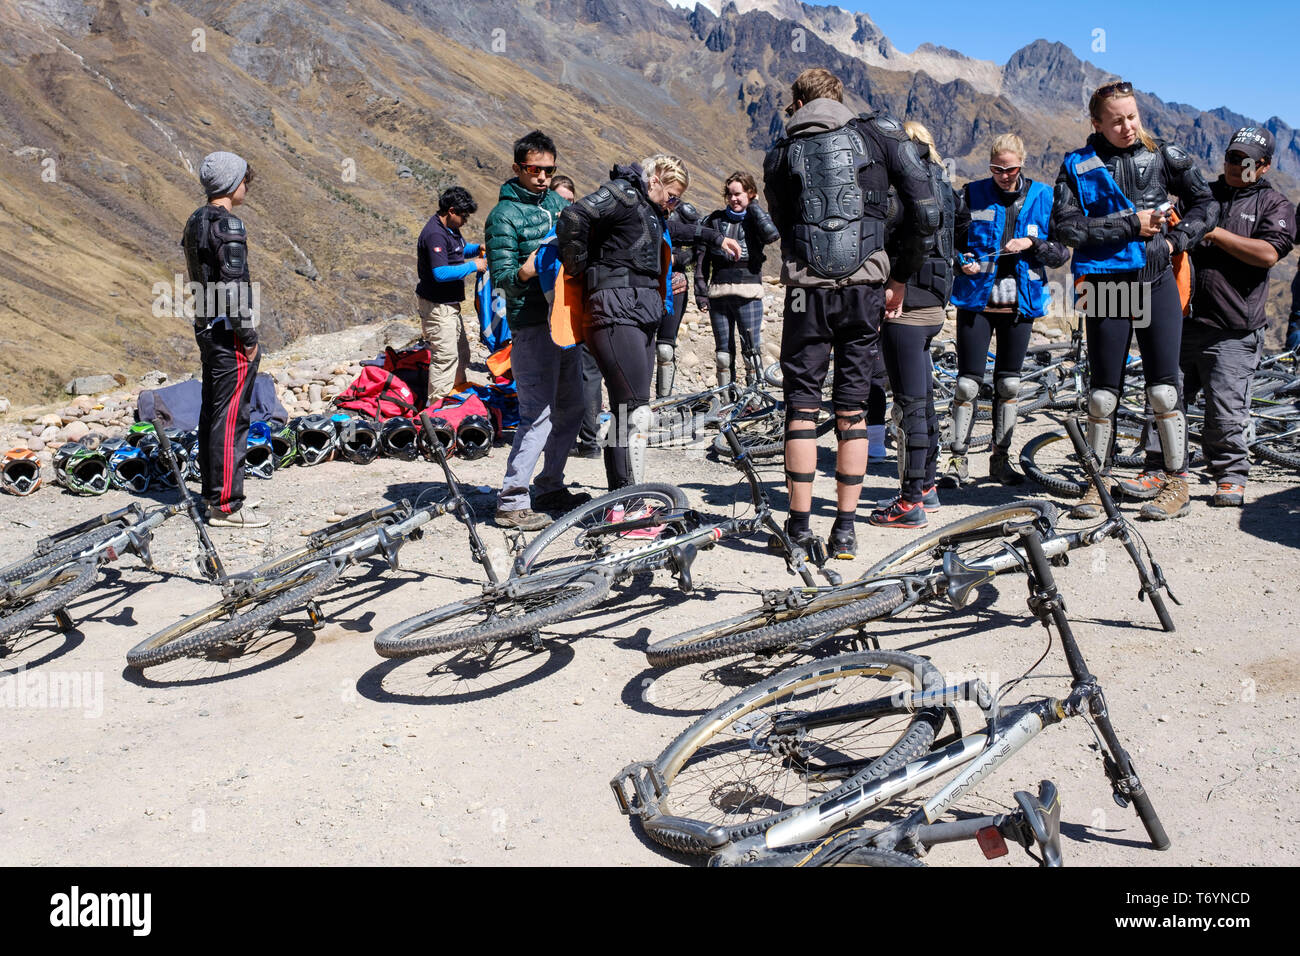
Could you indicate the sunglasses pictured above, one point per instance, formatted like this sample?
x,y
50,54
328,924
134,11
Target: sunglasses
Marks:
x,y
1003,170
532,169
1237,159
1122,88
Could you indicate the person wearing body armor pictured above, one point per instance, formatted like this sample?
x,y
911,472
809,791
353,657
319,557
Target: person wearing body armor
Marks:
x,y
906,335
1111,206
1223,337
666,339
547,377
826,183
732,292
615,239
225,327
1003,237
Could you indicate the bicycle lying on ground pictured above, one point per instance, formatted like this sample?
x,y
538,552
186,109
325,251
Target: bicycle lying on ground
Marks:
x,y
951,562
253,600
765,777
572,565
67,564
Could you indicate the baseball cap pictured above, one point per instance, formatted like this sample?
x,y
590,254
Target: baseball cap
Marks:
x,y
1255,141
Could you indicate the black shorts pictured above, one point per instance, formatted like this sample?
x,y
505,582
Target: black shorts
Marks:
x,y
819,321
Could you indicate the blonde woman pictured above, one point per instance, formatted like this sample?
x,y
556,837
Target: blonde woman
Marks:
x,y
614,238
1004,239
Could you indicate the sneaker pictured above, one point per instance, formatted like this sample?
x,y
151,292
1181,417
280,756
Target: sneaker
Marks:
x,y
929,500
1142,488
237,519
1228,495
585,451
900,514
1089,506
842,544
804,539
561,499
956,474
1001,470
1173,501
522,519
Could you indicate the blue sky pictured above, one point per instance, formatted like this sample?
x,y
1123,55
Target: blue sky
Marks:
x,y
1194,52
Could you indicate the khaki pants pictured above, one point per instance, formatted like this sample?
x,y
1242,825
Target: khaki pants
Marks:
x,y
444,330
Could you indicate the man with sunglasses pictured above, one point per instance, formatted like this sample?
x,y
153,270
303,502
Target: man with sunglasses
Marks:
x,y
548,378
441,267
1223,337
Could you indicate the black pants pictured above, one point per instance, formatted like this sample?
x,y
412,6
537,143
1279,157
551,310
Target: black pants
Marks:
x,y
818,321
621,337
975,330
590,399
672,321
223,418
907,360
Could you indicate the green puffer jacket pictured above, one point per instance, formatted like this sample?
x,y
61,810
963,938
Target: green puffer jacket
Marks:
x,y
515,227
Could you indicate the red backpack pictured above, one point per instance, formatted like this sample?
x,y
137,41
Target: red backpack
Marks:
x,y
379,393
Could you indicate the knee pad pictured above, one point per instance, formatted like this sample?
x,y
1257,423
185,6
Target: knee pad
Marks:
x,y
966,390
1102,403
1006,391
1163,398
1007,387
796,431
850,427
723,360
639,421
665,353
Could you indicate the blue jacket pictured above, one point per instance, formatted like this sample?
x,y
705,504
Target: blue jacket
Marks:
x,y
984,239
1099,195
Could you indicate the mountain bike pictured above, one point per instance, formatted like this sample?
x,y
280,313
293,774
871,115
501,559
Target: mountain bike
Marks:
x,y
572,565
68,563
254,600
765,776
950,563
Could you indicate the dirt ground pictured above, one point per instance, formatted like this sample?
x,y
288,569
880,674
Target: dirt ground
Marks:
x,y
314,750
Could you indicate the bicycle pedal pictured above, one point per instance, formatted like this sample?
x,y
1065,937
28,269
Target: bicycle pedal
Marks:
x,y
63,620
315,616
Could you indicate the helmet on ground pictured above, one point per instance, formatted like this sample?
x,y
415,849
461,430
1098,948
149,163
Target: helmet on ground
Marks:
x,y
474,437
258,459
20,472
129,466
80,470
191,468
316,438
138,431
359,440
398,438
284,446
446,434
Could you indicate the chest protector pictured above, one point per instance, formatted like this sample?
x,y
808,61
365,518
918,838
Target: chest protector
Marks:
x,y
936,272
984,237
216,251
843,200
1100,195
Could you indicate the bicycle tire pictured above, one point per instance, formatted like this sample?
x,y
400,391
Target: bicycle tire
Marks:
x,y
1281,450
831,611
769,441
64,552
867,856
905,558
192,635
1040,460
554,599
559,544
712,799
66,584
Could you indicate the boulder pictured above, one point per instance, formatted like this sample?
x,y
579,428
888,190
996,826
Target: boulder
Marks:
x,y
76,430
91,384
153,378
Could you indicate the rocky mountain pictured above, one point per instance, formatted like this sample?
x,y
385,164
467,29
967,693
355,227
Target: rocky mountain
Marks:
x,y
356,113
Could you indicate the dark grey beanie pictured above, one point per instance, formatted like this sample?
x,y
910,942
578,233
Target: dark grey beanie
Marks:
x,y
221,173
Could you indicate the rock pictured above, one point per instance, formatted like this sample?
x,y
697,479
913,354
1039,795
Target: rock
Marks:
x,y
153,378
46,421
404,172
76,431
35,444
307,271
92,384
5,405
49,434
280,376
314,392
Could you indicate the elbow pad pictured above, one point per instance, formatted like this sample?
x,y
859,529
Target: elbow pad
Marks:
x,y
928,217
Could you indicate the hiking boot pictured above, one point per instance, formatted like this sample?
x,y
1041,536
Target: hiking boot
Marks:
x,y
561,499
900,514
929,500
1001,470
842,544
522,519
237,519
956,473
1142,488
1089,506
1173,501
1228,495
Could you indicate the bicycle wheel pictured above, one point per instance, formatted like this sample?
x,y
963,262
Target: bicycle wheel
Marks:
x,y
570,540
681,419
59,590
1283,449
491,617
727,776
1050,460
916,555
194,635
68,549
828,611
